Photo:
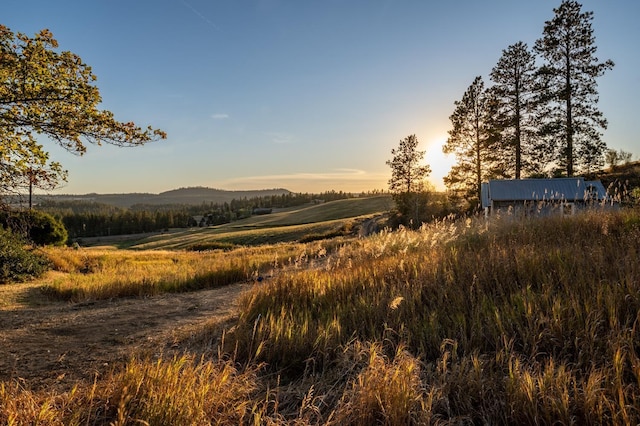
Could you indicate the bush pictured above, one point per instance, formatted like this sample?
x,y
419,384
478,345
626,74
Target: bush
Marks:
x,y
415,208
40,228
16,262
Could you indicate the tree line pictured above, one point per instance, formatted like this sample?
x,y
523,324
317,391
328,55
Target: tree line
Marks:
x,y
92,219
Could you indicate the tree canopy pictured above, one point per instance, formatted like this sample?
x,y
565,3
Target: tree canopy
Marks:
x,y
474,141
407,173
407,179
571,95
44,92
514,78
536,119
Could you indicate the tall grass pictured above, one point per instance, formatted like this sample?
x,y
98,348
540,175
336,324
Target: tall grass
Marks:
x,y
105,274
531,322
178,391
558,298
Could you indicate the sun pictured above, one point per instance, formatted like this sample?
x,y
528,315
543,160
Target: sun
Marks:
x,y
439,162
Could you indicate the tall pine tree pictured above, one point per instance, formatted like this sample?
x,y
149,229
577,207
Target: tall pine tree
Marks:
x,y
571,96
514,78
474,141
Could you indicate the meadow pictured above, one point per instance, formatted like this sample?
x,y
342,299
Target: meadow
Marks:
x,y
307,222
468,322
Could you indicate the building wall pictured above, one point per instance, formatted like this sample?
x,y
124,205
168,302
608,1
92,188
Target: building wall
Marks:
x,y
543,208
535,208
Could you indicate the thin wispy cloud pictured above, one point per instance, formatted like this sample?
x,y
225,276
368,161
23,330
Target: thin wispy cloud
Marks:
x,y
201,16
220,116
280,138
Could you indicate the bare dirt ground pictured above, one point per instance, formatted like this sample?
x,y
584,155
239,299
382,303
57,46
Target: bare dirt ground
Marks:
x,y
47,343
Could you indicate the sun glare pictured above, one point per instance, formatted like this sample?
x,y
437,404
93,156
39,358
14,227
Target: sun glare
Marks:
x,y
439,162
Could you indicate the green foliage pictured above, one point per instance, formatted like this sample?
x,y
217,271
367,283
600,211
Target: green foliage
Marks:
x,y
474,139
515,89
407,174
534,121
417,208
17,263
570,98
38,227
407,180
50,93
613,157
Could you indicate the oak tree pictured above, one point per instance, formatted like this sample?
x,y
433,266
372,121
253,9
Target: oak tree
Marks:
x,y
570,70
49,93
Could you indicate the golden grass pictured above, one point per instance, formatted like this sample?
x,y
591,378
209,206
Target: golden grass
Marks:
x,y
532,322
177,391
384,392
557,294
106,273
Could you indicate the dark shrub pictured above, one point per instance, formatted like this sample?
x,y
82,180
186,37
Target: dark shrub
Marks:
x,y
40,228
17,263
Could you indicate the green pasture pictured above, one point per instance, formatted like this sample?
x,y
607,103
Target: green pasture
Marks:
x,y
286,225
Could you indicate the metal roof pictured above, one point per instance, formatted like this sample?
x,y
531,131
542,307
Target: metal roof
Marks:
x,y
559,189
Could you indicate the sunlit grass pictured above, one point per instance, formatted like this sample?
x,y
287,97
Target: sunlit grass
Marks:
x,y
104,274
468,322
241,236
178,391
292,225
556,294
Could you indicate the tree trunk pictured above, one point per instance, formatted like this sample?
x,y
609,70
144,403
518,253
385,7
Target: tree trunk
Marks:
x,y
518,140
568,94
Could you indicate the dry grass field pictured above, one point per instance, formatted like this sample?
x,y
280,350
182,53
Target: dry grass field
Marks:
x,y
468,322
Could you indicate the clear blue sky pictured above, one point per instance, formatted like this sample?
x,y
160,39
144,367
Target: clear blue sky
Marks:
x,y
305,95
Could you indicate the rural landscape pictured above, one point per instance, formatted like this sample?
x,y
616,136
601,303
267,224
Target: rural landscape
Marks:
x,y
503,299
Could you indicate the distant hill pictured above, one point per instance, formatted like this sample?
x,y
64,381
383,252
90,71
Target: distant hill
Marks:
x,y
193,196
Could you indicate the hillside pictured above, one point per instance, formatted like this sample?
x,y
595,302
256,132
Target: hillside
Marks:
x,y
291,224
625,174
193,196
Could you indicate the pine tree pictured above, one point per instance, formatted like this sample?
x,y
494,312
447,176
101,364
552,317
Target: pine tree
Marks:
x,y
407,174
515,81
474,141
407,178
570,71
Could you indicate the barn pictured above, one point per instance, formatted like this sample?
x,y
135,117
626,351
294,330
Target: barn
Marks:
x,y
541,197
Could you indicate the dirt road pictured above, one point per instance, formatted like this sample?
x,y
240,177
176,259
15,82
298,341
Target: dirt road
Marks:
x,y
59,343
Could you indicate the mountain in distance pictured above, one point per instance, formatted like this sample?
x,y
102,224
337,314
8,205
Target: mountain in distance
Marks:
x,y
192,196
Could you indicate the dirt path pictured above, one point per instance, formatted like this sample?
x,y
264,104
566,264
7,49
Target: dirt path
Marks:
x,y
60,343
